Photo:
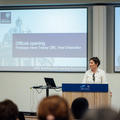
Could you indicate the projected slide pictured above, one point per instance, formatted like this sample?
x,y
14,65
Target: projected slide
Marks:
x,y
117,39
43,40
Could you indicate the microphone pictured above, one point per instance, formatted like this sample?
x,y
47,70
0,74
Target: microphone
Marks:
x,y
94,77
36,87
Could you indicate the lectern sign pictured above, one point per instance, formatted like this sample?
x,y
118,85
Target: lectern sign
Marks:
x,y
85,87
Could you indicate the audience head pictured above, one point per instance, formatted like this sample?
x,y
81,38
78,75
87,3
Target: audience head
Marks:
x,y
107,114
8,110
53,108
79,107
118,116
101,114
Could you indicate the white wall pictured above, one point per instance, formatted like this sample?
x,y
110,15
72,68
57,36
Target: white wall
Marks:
x,y
114,83
16,86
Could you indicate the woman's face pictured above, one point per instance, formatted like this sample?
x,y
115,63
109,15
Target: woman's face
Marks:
x,y
92,65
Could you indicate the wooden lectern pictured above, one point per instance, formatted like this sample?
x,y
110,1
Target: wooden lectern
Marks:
x,y
96,94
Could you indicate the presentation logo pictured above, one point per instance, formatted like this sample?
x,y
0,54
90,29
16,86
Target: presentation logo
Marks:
x,y
5,17
85,87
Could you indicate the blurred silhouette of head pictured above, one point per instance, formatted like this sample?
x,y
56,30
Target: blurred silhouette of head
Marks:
x,y
102,114
106,113
8,110
79,107
53,108
118,116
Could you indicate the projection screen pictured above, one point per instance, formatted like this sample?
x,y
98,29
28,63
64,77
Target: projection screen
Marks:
x,y
117,39
49,40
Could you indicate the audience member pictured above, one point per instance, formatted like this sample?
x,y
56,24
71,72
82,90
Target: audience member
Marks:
x,y
53,108
8,110
79,107
118,116
101,114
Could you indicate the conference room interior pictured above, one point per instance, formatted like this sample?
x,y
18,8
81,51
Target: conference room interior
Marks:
x,y
17,85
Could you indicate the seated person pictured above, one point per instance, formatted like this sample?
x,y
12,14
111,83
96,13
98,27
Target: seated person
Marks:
x,y
8,110
53,108
101,114
79,107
